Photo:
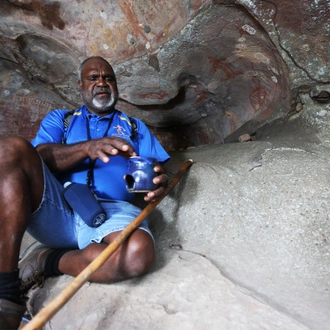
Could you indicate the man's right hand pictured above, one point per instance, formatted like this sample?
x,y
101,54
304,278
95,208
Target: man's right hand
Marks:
x,y
61,157
109,146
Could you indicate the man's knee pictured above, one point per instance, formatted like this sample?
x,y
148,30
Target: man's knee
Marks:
x,y
14,149
133,258
21,166
140,254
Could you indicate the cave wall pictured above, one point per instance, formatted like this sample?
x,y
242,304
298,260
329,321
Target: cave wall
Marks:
x,y
196,72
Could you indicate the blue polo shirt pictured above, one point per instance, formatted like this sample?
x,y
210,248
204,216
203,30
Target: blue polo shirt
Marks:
x,y
108,177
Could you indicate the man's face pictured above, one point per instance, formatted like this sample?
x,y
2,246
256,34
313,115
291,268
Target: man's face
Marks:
x,y
98,87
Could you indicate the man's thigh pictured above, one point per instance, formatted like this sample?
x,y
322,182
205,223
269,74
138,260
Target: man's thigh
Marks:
x,y
53,223
119,215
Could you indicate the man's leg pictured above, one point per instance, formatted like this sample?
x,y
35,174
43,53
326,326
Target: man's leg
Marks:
x,y
133,258
21,188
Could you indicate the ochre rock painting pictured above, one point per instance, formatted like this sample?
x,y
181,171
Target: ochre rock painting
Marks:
x,y
196,72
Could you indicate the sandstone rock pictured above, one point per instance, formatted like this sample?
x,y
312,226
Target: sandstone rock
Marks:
x,y
242,243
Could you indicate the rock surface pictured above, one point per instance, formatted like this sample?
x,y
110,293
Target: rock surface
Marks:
x,y
197,72
242,242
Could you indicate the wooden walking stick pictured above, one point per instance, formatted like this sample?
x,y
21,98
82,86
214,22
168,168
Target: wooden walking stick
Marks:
x,y
55,305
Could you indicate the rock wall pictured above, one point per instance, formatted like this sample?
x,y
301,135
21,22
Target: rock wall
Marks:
x,y
242,243
197,72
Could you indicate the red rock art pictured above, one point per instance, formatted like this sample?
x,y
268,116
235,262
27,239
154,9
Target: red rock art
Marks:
x,y
227,68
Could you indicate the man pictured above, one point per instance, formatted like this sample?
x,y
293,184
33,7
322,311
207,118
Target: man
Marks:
x,y
31,193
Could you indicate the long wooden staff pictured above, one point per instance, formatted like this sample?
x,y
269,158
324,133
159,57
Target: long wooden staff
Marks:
x,y
55,305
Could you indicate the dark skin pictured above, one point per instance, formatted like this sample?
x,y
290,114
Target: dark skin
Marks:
x,y
21,186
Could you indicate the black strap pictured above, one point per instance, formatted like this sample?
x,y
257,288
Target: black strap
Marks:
x,y
134,128
67,118
66,123
90,173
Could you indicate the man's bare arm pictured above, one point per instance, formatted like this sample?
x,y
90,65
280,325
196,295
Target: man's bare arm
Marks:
x,y
61,157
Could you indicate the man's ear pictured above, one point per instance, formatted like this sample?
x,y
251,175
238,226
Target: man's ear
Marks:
x,y
80,84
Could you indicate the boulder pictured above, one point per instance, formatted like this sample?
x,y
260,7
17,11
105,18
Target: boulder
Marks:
x,y
242,243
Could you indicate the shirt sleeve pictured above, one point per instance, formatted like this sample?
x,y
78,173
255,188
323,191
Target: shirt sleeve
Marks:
x,y
51,128
148,145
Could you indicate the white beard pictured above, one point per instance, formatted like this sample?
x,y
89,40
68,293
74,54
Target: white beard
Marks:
x,y
101,106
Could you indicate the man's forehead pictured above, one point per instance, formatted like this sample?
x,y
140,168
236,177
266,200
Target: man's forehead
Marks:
x,y
96,64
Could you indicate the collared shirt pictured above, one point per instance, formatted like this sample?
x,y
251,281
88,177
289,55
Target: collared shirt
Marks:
x,y
108,177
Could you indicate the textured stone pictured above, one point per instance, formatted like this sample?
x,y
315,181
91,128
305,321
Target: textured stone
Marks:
x,y
242,243
196,73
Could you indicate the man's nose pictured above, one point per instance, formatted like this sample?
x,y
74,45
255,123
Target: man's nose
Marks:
x,y
101,81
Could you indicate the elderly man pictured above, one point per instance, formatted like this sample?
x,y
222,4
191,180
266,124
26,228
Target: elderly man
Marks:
x,y
91,149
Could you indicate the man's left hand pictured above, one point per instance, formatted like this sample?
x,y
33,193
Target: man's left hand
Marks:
x,y
161,180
